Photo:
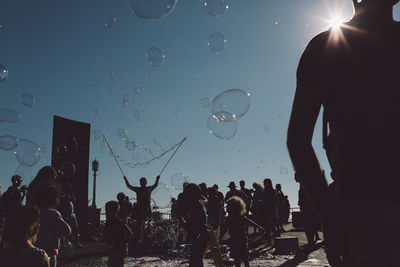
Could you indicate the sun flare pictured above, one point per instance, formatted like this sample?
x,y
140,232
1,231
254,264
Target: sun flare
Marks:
x,y
336,22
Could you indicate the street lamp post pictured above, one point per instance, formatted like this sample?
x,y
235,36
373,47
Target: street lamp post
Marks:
x,y
95,168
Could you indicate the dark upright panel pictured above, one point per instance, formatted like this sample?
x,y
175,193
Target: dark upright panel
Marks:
x,y
70,155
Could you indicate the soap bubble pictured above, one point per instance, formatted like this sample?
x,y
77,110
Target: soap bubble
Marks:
x,y
3,73
162,197
225,116
25,172
222,129
70,145
9,115
125,100
27,152
155,56
137,114
111,76
216,42
266,128
123,134
152,9
97,134
27,100
138,90
68,169
283,171
216,8
130,145
205,102
8,142
43,147
233,101
111,22
178,179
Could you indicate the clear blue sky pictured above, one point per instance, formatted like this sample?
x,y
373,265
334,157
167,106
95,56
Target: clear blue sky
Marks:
x,y
58,51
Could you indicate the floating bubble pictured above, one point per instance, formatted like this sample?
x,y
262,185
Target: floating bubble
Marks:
x,y
233,101
130,145
3,73
138,90
216,8
25,172
205,102
178,179
27,152
225,116
9,115
123,134
137,114
111,22
152,9
216,42
125,100
155,56
70,145
8,142
111,76
27,100
177,113
43,147
68,169
222,129
162,197
266,128
97,134
283,171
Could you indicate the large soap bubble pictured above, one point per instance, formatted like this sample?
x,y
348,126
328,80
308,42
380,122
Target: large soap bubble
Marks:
x,y
155,56
178,179
162,197
8,142
216,8
216,42
111,22
131,145
27,100
222,129
123,134
43,147
233,101
3,73
27,152
9,115
205,102
25,172
283,170
97,134
68,169
152,9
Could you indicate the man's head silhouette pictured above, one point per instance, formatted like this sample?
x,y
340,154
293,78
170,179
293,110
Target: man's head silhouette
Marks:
x,y
143,182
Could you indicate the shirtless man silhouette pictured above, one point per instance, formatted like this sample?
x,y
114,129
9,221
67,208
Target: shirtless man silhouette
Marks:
x,y
353,72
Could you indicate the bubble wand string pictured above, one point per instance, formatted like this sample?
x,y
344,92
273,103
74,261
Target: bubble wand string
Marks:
x,y
112,152
183,140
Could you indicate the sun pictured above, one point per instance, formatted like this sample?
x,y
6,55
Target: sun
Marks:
x,y
336,22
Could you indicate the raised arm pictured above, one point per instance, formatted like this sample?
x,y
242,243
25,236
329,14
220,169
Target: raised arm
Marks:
x,y
156,183
133,188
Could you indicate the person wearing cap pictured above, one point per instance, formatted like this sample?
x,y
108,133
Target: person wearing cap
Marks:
x,y
234,192
14,195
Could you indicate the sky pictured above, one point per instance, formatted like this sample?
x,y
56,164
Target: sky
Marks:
x,y
79,58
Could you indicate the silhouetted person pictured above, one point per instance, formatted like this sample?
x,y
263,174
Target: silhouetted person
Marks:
x,y
310,220
195,223
14,195
269,203
143,196
353,73
21,232
47,173
257,207
67,209
280,207
248,193
125,207
214,210
234,192
220,195
203,188
117,234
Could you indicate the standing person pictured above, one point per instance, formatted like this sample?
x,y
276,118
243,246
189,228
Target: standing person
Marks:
x,y
14,195
214,210
248,193
352,71
143,198
269,203
125,208
234,192
22,229
52,225
47,173
280,207
310,217
67,210
257,208
117,234
195,223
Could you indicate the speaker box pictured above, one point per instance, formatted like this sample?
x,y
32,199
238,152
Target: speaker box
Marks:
x,y
70,156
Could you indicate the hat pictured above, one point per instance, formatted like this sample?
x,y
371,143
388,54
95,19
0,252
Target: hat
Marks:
x,y
232,184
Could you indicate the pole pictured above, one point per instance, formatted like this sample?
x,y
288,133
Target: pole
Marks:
x,y
183,140
94,191
112,152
